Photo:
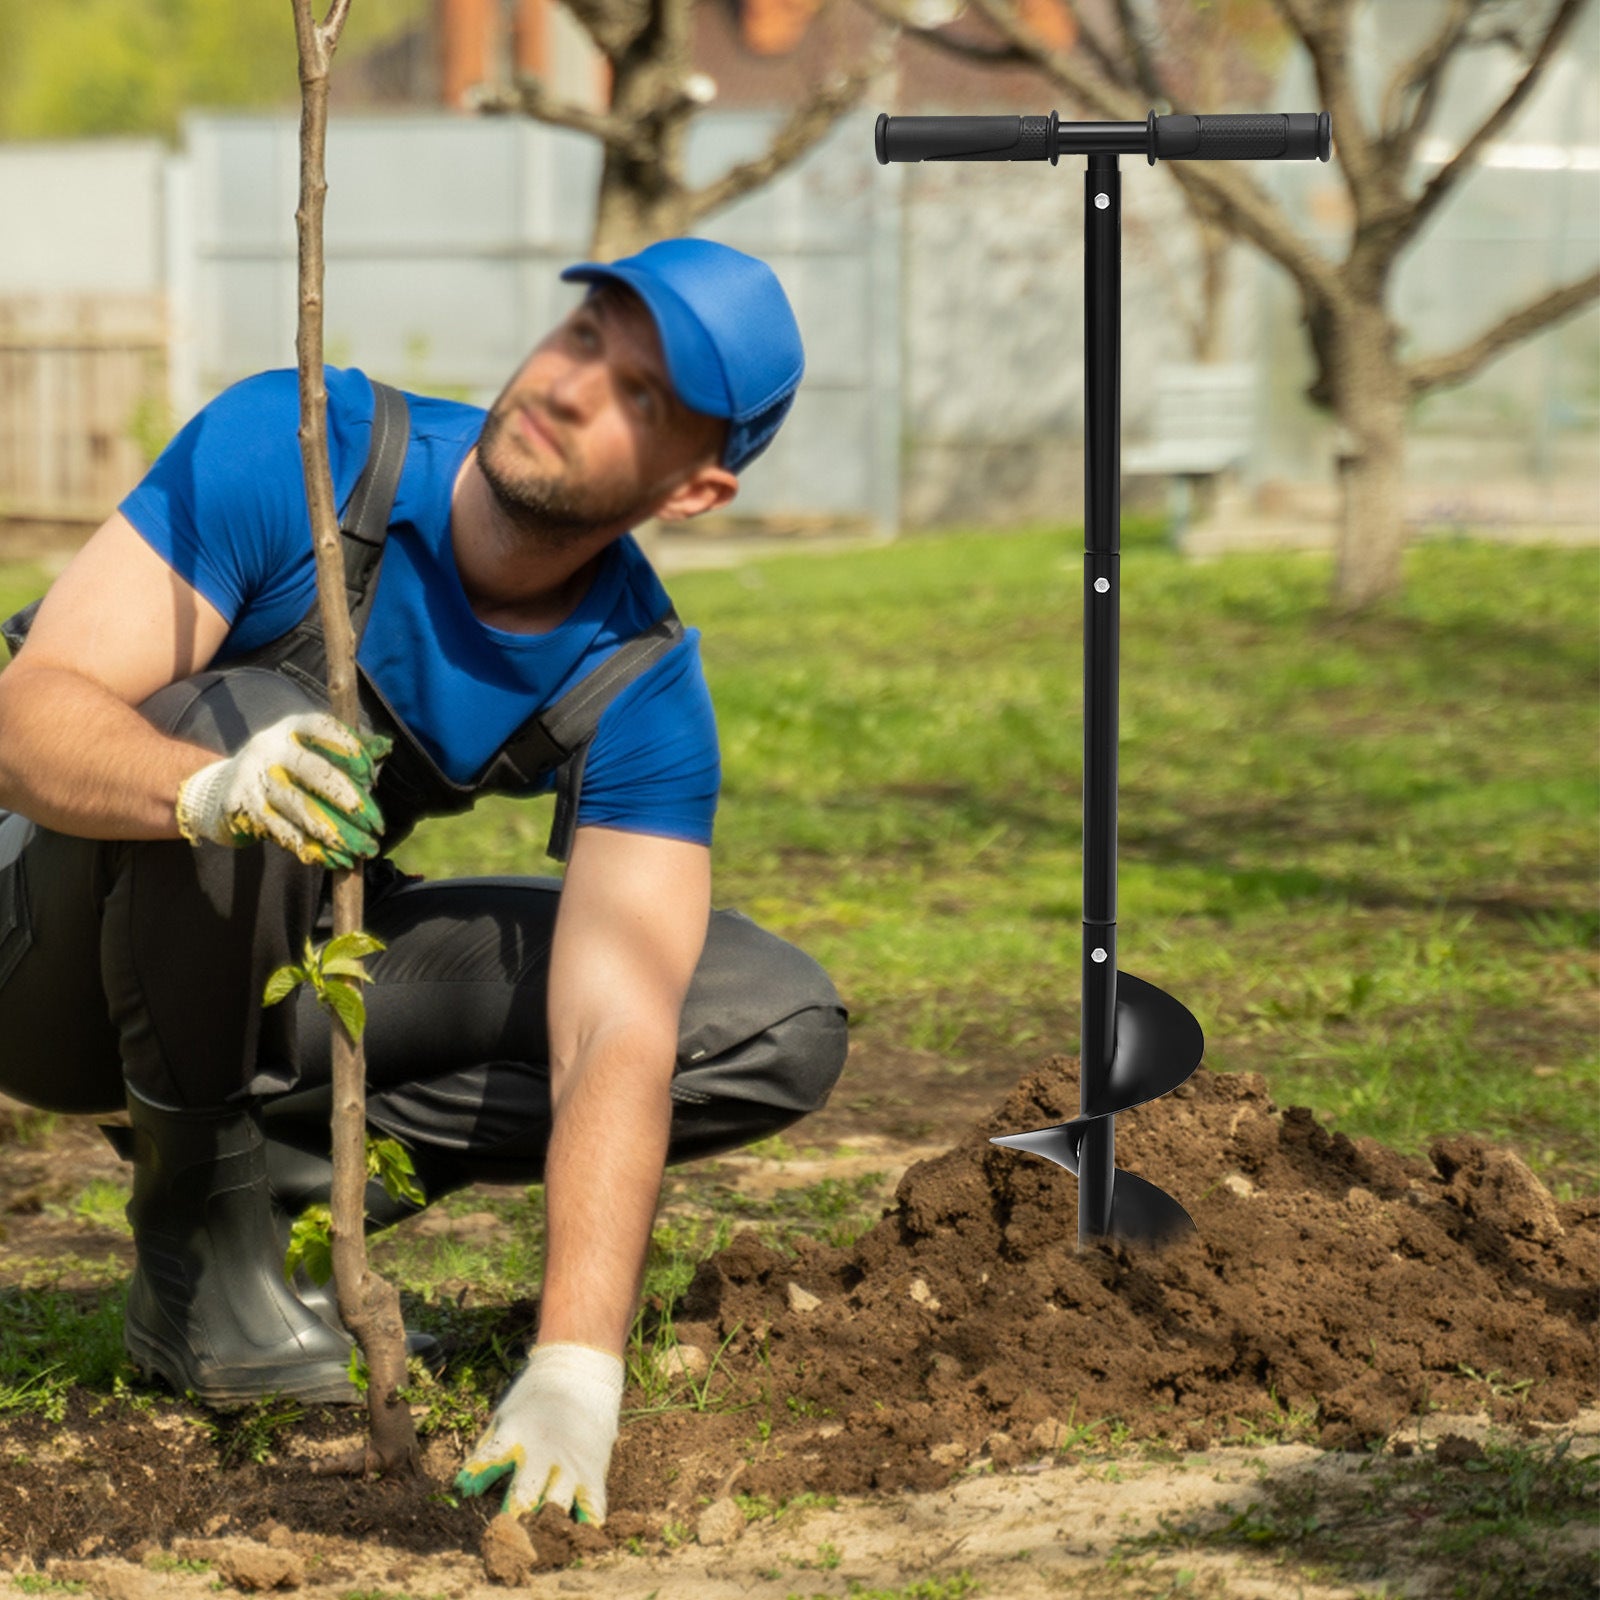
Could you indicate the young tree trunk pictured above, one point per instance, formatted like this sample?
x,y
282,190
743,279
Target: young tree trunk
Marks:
x,y
369,1305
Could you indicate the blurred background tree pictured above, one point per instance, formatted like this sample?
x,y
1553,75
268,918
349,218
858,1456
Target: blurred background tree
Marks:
x,y
103,67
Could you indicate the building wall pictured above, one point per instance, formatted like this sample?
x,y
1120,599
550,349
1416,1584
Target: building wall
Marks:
x,y
941,303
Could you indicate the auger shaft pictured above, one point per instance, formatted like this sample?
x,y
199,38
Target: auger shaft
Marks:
x,y
1102,601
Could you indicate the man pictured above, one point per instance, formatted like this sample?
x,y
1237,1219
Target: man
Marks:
x,y
179,792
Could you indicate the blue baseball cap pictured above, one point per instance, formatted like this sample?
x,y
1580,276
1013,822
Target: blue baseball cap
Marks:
x,y
731,342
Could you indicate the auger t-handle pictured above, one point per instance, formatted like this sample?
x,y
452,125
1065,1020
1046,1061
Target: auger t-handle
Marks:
x,y
1266,136
1136,1042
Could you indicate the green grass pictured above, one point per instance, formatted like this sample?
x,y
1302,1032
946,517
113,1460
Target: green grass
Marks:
x,y
52,1341
1361,851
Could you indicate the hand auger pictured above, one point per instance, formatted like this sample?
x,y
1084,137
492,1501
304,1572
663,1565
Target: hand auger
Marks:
x,y
1137,1042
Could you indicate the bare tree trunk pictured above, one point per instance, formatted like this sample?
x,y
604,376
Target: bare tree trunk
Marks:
x,y
1365,385
640,202
369,1305
647,44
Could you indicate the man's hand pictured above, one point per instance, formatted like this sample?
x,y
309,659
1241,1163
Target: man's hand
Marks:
x,y
305,783
553,1431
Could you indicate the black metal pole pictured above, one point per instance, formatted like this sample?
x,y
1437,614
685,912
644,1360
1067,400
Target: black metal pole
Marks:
x,y
1102,327
1137,1043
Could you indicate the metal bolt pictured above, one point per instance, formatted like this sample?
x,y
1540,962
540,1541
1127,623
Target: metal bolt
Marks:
x,y
1097,954
1101,201
1101,585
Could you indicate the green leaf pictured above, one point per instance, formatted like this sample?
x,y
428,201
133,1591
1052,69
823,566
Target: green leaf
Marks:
x,y
282,984
344,1000
311,1245
357,1369
343,967
358,943
389,1160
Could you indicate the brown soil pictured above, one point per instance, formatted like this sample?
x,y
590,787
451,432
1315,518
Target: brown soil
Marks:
x,y
1337,1295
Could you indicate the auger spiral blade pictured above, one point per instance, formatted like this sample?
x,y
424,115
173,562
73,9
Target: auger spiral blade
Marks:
x,y
1159,1044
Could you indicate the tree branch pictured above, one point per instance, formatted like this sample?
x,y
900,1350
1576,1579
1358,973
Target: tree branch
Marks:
x,y
1324,30
528,97
334,26
808,124
1145,72
983,55
1399,131
616,26
1441,372
1466,157
1236,196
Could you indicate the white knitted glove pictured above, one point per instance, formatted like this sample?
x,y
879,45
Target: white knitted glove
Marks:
x,y
553,1431
304,783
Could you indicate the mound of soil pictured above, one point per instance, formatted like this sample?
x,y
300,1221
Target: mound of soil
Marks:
x,y
1334,1290
1330,1278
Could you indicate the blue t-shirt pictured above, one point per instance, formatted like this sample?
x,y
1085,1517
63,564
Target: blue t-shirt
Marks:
x,y
225,507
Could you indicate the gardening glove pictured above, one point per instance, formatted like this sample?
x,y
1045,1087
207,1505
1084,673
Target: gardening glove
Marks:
x,y
305,783
553,1431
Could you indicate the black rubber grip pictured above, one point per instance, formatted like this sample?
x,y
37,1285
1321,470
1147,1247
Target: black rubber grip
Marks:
x,y
964,138
1278,136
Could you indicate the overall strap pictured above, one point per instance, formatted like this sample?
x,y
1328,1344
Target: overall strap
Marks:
x,y
365,525
560,736
302,652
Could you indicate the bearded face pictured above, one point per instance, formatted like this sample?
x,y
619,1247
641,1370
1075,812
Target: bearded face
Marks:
x,y
589,436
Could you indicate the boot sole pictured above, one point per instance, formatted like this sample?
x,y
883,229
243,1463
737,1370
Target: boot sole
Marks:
x,y
316,1384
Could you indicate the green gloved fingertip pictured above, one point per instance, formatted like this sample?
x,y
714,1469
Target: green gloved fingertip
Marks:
x,y
471,1483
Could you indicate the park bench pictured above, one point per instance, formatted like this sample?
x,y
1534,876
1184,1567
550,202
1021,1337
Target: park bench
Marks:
x,y
1202,427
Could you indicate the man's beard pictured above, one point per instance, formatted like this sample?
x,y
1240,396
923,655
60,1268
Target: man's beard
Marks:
x,y
556,513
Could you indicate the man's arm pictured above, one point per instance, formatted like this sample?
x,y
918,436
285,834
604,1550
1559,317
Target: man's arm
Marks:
x,y
75,755
633,919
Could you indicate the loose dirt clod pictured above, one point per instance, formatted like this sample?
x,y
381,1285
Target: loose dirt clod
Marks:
x,y
246,1564
508,1553
720,1523
108,1580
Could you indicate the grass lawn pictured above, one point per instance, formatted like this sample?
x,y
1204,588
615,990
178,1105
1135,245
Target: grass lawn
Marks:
x,y
1362,852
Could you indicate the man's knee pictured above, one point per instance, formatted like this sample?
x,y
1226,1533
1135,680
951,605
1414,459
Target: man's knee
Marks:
x,y
812,1046
223,708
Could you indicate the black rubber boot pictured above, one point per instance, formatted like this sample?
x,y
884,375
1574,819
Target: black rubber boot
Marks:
x,y
208,1309
297,1179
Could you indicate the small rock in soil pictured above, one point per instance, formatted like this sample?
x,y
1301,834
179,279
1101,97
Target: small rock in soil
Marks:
x,y
682,1361
508,1552
802,1299
720,1523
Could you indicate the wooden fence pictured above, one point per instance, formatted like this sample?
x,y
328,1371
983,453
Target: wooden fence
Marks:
x,y
83,403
